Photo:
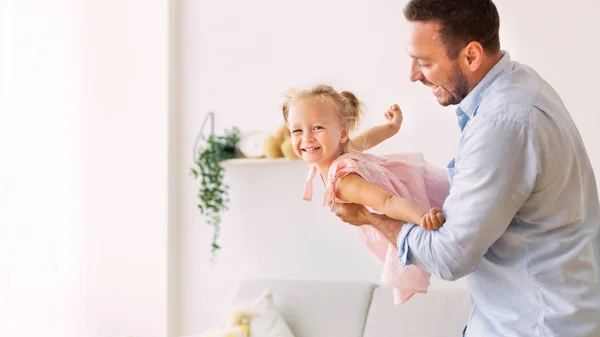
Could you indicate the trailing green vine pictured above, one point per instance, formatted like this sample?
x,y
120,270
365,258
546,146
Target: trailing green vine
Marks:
x,y
213,193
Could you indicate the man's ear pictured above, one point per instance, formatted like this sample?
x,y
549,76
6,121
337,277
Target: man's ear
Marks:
x,y
472,56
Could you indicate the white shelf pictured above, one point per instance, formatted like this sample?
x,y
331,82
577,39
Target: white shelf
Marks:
x,y
257,161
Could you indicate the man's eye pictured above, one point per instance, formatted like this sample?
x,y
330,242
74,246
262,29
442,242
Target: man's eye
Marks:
x,y
318,127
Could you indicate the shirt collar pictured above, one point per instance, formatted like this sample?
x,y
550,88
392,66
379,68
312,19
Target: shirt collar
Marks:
x,y
470,103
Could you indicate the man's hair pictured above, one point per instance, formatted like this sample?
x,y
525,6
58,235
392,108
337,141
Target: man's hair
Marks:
x,y
461,21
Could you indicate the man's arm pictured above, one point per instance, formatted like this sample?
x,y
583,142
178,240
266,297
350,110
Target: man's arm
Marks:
x,y
390,228
358,215
496,171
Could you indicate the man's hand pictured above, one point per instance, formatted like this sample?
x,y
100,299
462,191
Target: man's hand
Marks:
x,y
354,214
358,215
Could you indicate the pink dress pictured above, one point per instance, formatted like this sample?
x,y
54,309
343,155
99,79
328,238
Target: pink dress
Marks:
x,y
407,175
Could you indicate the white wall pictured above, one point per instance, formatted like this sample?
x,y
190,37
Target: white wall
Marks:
x,y
85,169
126,66
237,58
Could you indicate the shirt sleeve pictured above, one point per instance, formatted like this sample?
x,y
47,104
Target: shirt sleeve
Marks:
x,y
495,172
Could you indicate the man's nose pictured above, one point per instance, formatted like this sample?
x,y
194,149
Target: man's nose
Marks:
x,y
415,72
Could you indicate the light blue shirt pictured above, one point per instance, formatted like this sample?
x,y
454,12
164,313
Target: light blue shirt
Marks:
x,y
523,216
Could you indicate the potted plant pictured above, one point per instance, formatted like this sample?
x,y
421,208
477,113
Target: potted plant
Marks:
x,y
213,193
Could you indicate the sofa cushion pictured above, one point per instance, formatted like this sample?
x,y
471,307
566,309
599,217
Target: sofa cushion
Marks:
x,y
439,313
316,308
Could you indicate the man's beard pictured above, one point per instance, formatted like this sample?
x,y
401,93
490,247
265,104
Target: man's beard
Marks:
x,y
459,83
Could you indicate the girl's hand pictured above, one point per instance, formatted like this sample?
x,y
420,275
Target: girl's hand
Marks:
x,y
432,220
394,117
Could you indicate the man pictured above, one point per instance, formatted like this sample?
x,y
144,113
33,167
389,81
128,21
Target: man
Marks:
x,y
523,216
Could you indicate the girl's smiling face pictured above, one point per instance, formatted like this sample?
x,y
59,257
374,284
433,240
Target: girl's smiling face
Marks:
x,y
318,135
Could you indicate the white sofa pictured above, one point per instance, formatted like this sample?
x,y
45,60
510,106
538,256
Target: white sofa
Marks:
x,y
354,309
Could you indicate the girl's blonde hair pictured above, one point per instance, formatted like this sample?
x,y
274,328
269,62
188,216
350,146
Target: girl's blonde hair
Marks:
x,y
348,107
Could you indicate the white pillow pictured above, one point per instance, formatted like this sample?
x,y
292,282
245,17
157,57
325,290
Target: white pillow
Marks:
x,y
225,332
269,322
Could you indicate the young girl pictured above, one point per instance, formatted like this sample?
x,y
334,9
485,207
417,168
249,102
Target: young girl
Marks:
x,y
401,186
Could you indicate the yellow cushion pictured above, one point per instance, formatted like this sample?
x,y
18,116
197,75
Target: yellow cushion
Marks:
x,y
246,328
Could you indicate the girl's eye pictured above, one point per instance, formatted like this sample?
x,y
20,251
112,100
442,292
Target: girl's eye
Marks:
x,y
318,127
296,131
